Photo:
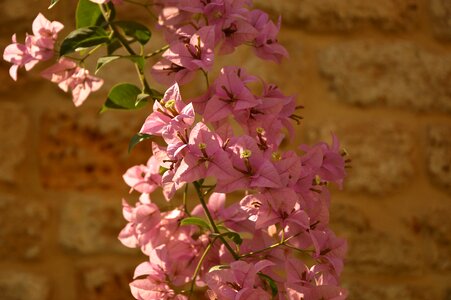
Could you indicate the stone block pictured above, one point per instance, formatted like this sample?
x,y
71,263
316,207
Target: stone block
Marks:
x,y
398,74
82,150
104,282
348,219
90,224
439,155
366,291
441,18
381,154
14,123
22,228
345,15
377,252
15,285
433,229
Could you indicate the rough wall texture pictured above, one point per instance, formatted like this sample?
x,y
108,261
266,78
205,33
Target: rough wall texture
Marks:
x,y
378,73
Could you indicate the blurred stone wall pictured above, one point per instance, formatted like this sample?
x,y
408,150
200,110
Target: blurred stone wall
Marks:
x,y
377,73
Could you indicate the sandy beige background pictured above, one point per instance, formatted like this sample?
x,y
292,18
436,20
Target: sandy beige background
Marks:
x,y
378,73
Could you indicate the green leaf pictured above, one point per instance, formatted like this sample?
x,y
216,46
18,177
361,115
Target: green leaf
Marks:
x,y
102,61
270,282
136,139
162,170
88,14
139,60
83,38
218,268
222,227
135,30
196,221
123,96
141,97
53,3
234,236
113,45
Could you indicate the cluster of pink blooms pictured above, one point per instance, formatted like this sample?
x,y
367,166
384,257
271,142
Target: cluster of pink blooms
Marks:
x,y
193,29
283,212
275,241
38,47
41,47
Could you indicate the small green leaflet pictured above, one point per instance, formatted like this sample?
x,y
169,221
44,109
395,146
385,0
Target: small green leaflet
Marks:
x,y
196,221
136,139
218,268
135,30
102,61
123,96
270,282
105,60
83,38
53,3
234,236
113,45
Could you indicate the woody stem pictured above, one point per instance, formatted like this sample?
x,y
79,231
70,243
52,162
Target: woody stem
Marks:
x,y
212,222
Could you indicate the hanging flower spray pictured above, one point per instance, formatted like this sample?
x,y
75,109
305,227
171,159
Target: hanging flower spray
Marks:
x,y
275,241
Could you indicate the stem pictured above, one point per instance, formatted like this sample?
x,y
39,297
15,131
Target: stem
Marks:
x,y
206,78
90,52
199,265
297,249
130,50
212,222
262,250
156,52
283,242
185,195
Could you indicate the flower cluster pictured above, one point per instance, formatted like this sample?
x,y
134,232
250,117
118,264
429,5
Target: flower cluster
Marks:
x,y
70,77
194,29
253,222
38,47
41,47
252,248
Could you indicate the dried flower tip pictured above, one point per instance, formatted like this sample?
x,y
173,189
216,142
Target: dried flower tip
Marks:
x,y
317,180
276,156
344,152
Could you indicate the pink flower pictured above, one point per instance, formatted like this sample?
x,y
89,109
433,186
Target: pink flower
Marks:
x,y
275,206
45,35
144,178
142,219
18,55
266,43
234,32
230,96
186,55
37,47
155,286
240,282
325,161
69,76
204,157
168,112
322,292
253,169
193,53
